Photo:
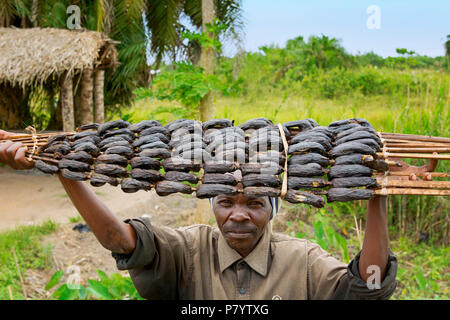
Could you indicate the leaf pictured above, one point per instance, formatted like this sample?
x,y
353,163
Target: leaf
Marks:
x,y
82,293
98,290
64,293
103,276
54,280
421,280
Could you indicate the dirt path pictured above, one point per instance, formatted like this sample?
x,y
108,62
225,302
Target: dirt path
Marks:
x,y
29,197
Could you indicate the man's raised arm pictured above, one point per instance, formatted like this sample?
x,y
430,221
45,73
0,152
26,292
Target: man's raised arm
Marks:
x,y
115,235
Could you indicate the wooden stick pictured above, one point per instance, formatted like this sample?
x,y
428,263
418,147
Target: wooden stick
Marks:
x,y
404,136
400,141
413,192
419,150
419,174
22,284
10,293
35,157
414,184
416,145
285,144
414,155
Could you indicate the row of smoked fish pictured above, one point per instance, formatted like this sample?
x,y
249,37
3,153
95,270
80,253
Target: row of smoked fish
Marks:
x,y
187,156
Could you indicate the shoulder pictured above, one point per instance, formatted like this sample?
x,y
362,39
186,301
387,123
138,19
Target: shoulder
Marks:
x,y
285,243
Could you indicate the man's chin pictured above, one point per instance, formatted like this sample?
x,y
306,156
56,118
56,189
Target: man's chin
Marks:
x,y
239,241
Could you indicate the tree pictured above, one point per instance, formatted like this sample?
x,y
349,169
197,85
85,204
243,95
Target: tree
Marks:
x,y
206,108
447,46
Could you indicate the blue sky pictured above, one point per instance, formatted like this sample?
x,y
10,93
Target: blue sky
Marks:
x,y
416,25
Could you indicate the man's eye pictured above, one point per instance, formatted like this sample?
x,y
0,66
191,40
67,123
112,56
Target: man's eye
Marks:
x,y
254,204
225,203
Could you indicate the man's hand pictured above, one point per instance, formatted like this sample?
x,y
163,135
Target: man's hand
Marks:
x,y
13,153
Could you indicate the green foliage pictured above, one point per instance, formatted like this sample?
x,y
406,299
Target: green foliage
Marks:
x,y
31,254
208,39
423,270
186,83
112,287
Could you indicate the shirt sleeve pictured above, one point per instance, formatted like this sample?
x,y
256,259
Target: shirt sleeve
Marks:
x,y
324,273
159,265
352,287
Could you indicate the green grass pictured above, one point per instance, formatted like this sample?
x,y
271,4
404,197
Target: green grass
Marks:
x,y
31,254
423,269
75,219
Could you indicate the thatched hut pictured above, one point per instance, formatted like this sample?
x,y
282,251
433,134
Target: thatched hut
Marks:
x,y
29,57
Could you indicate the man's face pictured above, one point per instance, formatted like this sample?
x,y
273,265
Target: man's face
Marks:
x,y
242,220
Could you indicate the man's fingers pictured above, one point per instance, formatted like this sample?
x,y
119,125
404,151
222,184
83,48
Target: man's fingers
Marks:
x,y
21,160
3,154
11,151
4,135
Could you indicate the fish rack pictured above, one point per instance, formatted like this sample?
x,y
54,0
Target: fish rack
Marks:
x,y
299,160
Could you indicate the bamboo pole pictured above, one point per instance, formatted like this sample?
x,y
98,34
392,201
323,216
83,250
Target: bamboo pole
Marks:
x,y
414,184
414,155
412,192
415,145
419,174
418,150
386,135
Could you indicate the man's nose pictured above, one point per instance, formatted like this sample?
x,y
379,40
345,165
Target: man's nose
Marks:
x,y
239,214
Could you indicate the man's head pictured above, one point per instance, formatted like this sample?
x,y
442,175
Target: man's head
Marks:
x,y
242,220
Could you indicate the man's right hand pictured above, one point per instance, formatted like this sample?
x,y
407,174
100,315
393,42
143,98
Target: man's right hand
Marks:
x,y
13,153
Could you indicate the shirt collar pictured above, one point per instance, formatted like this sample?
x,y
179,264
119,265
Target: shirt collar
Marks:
x,y
258,259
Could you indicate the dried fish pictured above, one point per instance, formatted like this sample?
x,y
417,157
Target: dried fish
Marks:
x,y
181,176
347,194
296,196
349,170
211,190
166,187
219,178
113,159
46,167
117,124
145,163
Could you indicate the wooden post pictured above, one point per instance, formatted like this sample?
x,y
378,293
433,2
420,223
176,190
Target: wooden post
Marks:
x,y
66,96
99,99
87,86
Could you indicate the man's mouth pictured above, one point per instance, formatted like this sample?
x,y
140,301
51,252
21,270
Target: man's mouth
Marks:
x,y
239,233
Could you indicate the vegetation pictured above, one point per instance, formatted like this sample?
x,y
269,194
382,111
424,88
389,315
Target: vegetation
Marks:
x,y
112,287
29,252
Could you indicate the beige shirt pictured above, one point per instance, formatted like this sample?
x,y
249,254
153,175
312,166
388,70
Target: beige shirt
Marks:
x,y
196,262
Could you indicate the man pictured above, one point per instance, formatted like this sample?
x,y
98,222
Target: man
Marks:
x,y
241,259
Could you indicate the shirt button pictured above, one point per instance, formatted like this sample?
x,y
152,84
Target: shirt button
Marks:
x,y
242,291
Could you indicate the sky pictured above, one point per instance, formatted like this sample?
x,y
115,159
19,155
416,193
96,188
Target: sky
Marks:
x,y
362,26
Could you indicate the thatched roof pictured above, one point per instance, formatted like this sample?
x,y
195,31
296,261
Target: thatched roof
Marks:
x,y
30,56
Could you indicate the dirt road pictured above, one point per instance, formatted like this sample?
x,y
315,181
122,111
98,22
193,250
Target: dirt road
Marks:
x,y
29,197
